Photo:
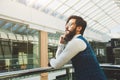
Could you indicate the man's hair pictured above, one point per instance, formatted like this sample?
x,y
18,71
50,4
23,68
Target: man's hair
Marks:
x,y
79,22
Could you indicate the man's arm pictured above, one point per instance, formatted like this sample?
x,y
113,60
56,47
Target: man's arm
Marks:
x,y
72,48
59,49
61,46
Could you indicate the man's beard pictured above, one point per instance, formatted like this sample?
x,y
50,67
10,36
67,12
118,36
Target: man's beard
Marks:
x,y
69,35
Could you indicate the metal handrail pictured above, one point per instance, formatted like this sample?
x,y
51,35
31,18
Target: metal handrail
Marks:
x,y
20,73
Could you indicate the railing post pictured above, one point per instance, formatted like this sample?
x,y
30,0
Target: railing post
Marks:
x,y
68,73
44,53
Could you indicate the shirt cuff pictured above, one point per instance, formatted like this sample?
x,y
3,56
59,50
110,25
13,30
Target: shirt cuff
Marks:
x,y
61,45
52,63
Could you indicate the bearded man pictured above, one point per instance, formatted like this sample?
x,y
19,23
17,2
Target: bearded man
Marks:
x,y
73,46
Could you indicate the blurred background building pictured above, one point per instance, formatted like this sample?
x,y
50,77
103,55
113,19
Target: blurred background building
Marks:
x,y
30,30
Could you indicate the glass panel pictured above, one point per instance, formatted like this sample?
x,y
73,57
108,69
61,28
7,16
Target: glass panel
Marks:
x,y
33,48
54,5
80,4
91,23
97,27
103,17
85,8
53,39
104,30
111,24
71,2
118,19
109,4
62,9
69,12
92,10
103,2
111,8
41,4
95,16
115,16
97,1
113,13
19,47
77,13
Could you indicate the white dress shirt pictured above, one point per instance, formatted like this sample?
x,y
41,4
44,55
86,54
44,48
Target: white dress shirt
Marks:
x,y
65,53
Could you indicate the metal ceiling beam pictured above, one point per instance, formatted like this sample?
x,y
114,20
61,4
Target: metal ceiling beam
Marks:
x,y
60,6
71,6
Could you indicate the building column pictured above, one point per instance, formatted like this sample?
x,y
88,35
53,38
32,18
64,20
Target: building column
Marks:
x,y
44,53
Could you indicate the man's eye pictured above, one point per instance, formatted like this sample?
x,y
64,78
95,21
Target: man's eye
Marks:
x,y
70,24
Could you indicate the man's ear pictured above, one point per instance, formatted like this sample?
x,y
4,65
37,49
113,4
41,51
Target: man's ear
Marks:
x,y
79,28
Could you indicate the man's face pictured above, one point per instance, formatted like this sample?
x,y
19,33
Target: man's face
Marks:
x,y
70,29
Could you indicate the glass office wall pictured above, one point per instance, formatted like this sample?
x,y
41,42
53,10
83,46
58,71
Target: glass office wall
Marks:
x,y
100,50
19,47
53,39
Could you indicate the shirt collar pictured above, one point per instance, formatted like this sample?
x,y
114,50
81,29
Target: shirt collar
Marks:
x,y
77,35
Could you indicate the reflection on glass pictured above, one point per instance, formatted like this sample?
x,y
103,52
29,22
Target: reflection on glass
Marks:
x,y
53,39
19,47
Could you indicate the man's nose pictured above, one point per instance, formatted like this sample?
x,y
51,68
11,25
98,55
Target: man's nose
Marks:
x,y
67,27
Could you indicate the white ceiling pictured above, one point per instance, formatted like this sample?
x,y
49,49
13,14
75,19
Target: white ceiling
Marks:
x,y
103,16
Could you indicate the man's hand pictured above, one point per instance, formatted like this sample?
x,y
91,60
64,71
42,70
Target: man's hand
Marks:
x,y
62,39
